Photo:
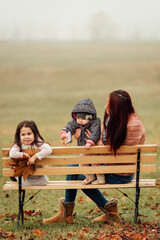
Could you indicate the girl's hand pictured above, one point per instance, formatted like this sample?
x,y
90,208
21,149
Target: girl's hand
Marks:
x,y
26,155
32,160
77,133
87,146
63,136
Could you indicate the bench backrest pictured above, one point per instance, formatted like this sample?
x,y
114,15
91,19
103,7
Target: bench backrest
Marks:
x,y
124,162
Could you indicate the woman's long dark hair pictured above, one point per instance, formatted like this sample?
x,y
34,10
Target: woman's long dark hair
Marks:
x,y
120,108
38,139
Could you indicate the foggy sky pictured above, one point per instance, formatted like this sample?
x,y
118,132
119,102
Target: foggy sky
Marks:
x,y
72,19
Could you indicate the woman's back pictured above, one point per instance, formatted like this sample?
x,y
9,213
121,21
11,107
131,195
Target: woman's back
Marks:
x,y
135,131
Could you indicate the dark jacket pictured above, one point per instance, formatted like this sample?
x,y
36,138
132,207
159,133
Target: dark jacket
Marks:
x,y
94,126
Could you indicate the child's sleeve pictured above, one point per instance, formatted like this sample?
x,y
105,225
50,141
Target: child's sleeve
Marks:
x,y
45,151
95,132
71,127
15,152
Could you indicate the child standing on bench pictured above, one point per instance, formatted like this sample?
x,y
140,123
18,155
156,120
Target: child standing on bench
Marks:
x,y
27,136
84,117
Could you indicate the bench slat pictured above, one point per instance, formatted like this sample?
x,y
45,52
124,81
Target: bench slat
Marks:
x,y
146,158
78,185
95,149
86,170
104,149
82,160
75,181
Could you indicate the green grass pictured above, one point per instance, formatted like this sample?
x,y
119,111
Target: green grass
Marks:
x,y
43,82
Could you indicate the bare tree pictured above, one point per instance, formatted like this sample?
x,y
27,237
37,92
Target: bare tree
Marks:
x,y
101,27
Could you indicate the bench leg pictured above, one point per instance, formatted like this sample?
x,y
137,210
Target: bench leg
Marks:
x,y
22,213
21,201
18,218
136,205
137,186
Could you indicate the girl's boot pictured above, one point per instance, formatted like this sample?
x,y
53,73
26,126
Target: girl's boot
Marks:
x,y
110,212
89,179
65,213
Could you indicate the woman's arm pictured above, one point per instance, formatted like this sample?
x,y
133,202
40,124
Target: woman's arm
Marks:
x,y
87,133
95,132
77,133
99,143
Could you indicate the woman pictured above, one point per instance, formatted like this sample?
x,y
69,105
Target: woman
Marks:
x,y
121,126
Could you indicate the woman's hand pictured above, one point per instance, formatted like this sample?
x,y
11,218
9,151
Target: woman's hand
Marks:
x,y
77,133
88,133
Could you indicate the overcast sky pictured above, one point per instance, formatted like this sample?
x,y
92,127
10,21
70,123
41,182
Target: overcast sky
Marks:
x,y
75,19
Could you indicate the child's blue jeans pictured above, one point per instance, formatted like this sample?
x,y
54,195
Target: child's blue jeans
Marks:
x,y
94,194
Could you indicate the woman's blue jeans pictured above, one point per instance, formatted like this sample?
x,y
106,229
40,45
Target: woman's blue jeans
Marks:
x,y
94,194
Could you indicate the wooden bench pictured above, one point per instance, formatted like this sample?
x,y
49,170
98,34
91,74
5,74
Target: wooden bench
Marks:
x,y
139,159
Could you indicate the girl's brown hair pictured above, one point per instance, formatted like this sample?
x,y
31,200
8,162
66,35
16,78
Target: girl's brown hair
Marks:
x,y
38,139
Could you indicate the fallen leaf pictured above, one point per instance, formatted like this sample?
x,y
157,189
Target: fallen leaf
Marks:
x,y
85,230
10,216
154,207
11,235
69,235
37,232
80,200
147,204
37,213
7,235
90,211
105,193
28,212
150,198
98,210
38,221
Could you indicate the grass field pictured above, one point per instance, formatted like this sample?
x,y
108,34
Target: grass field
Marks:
x,y
43,82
